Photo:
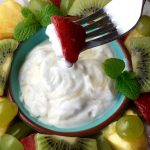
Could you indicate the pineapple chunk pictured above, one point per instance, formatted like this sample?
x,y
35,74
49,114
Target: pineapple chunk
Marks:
x,y
2,130
10,16
120,144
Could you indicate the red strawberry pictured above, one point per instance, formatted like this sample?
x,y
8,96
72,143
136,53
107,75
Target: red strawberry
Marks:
x,y
56,2
71,35
28,142
143,104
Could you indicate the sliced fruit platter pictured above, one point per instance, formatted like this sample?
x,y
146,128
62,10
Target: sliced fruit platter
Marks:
x,y
20,20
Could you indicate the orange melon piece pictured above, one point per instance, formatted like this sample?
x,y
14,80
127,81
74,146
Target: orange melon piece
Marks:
x,y
10,16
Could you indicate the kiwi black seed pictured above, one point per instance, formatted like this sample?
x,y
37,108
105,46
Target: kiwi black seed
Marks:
x,y
84,8
7,47
140,56
55,142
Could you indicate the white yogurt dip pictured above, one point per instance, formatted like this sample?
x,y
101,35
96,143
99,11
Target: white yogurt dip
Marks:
x,y
66,97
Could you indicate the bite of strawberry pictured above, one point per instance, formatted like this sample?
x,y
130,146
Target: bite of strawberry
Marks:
x,y
56,2
68,38
29,142
143,104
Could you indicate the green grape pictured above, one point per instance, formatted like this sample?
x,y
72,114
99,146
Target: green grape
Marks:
x,y
8,111
129,127
143,27
103,144
19,130
8,142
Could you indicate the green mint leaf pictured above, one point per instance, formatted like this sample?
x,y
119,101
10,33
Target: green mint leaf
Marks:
x,y
26,12
113,67
46,12
127,84
25,29
130,75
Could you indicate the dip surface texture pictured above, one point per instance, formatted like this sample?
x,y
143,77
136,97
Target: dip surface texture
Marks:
x,y
66,97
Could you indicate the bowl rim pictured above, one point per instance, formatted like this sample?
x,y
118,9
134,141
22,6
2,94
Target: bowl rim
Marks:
x,y
81,133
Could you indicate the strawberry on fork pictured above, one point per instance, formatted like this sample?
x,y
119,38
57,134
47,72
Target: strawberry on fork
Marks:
x,y
143,104
67,37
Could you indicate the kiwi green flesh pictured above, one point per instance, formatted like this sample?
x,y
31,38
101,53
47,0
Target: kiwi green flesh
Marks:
x,y
84,8
7,47
143,26
65,6
103,144
140,56
2,84
54,142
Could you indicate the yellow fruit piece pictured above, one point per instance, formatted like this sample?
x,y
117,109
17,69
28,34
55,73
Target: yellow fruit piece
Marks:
x,y
130,112
8,111
2,131
1,99
120,144
10,16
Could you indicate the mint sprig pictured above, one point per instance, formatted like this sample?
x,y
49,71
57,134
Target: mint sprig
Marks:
x,y
126,81
113,67
28,27
26,12
127,84
43,16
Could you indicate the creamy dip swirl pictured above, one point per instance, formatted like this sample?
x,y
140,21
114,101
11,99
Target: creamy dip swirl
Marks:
x,y
66,97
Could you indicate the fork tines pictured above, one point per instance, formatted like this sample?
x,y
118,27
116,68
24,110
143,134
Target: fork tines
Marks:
x,y
96,24
111,22
91,17
99,29
101,40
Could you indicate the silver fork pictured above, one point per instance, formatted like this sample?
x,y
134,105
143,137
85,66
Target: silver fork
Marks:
x,y
111,22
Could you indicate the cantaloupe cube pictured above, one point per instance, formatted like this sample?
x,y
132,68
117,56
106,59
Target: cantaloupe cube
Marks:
x,y
10,16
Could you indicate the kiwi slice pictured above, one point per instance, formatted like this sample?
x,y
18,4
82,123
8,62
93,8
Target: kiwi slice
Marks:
x,y
133,34
55,142
103,144
66,5
86,7
140,56
7,47
143,26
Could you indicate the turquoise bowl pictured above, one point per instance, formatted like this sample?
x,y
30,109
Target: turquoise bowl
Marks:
x,y
14,92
